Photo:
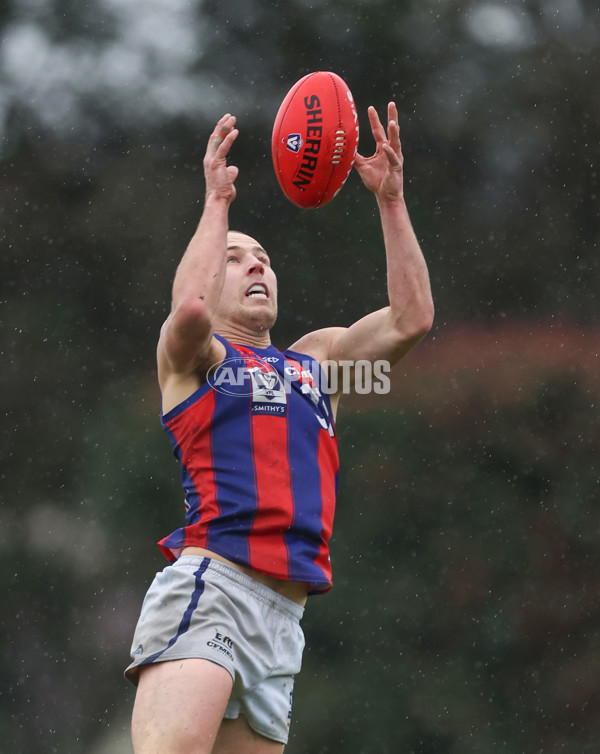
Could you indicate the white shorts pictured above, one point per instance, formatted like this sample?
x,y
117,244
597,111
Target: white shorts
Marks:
x,y
202,608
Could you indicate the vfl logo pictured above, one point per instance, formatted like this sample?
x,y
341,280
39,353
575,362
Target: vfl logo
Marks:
x,y
266,382
268,393
294,143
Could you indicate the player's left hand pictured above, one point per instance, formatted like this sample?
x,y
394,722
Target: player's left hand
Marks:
x,y
382,173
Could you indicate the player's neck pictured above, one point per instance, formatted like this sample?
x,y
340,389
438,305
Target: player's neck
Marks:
x,y
244,337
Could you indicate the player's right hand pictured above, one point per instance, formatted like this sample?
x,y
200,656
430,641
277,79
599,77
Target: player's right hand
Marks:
x,y
220,176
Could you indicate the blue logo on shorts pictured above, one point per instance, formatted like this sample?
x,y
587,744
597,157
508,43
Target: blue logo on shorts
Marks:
x,y
222,644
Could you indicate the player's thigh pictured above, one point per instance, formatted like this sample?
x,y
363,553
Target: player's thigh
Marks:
x,y
179,706
237,737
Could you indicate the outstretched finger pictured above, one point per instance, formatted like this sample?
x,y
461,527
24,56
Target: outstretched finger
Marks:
x,y
228,140
223,129
377,129
393,127
394,158
394,136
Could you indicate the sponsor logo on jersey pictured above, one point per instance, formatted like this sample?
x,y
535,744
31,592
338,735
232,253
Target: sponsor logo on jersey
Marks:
x,y
268,393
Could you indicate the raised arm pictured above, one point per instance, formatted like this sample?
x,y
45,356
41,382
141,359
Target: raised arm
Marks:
x,y
186,337
388,333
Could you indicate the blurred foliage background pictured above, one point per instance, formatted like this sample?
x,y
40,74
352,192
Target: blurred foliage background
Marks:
x,y
465,614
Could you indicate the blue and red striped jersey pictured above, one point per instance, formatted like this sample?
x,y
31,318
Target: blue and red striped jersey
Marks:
x,y
259,463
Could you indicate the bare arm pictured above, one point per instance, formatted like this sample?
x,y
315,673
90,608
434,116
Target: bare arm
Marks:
x,y
388,333
186,340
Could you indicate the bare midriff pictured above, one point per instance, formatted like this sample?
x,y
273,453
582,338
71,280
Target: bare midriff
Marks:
x,y
297,591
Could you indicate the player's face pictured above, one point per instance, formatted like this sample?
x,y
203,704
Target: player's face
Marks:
x,y
249,294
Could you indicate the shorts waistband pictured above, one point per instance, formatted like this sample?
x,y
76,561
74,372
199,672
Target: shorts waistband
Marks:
x,y
260,591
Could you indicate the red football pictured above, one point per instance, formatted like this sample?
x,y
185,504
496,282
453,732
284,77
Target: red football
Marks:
x,y
315,138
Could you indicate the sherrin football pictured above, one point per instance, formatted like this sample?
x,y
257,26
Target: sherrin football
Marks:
x,y
315,139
